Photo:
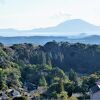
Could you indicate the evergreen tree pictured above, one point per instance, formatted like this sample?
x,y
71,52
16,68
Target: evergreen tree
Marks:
x,y
2,80
42,81
60,86
73,76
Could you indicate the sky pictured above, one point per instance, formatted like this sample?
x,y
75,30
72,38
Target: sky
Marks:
x,y
29,14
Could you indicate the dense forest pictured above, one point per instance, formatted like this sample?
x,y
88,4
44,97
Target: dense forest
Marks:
x,y
79,57
64,68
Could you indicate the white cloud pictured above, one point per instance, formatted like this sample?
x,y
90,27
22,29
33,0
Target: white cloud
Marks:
x,y
61,15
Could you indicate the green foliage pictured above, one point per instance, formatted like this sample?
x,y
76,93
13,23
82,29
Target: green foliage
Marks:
x,y
2,85
62,96
2,80
60,86
72,98
56,91
42,81
46,66
58,96
69,87
73,76
64,55
57,74
89,81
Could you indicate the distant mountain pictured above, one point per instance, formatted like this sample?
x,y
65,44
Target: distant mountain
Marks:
x,y
71,26
41,40
63,31
67,28
92,39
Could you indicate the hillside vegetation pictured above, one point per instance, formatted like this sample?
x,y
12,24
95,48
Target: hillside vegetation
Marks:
x,y
64,55
61,67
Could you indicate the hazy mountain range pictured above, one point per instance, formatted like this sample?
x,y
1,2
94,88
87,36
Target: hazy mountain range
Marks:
x,y
41,40
74,30
71,26
67,28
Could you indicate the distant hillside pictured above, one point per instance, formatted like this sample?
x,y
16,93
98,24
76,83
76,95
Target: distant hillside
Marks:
x,y
41,40
92,39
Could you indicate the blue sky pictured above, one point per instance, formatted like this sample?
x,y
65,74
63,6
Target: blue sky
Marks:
x,y
28,14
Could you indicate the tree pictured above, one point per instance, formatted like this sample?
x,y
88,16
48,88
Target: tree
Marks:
x,y
84,88
58,96
42,81
2,80
73,76
13,78
60,86
62,96
69,87
88,82
56,91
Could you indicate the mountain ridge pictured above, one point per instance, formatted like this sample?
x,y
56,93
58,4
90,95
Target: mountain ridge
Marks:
x,y
74,25
66,28
41,40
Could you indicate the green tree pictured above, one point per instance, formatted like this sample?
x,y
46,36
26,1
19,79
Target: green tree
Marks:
x,y
2,80
60,86
42,81
69,87
73,76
